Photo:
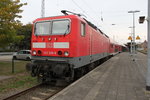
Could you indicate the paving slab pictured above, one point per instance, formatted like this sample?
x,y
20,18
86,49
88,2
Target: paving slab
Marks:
x,y
119,78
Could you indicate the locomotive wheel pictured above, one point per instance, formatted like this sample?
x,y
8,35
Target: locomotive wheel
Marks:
x,y
72,76
77,74
80,72
83,71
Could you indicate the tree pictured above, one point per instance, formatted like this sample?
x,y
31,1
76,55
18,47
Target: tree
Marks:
x,y
9,13
24,32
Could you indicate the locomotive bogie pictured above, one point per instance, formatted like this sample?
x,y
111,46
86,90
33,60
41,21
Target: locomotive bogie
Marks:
x,y
50,70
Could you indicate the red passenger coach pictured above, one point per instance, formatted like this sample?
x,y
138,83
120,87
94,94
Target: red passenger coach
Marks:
x,y
115,48
63,45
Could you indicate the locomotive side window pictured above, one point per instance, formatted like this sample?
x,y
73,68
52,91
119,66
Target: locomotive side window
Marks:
x,y
60,27
43,28
82,29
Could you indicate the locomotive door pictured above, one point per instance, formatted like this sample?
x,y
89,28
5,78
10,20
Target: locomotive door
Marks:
x,y
90,44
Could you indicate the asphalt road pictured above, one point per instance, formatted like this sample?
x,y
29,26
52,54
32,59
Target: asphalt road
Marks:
x,y
5,58
6,53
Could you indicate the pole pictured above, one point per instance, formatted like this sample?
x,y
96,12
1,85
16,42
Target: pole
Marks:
x,y
133,35
133,12
131,47
148,67
131,41
12,70
43,8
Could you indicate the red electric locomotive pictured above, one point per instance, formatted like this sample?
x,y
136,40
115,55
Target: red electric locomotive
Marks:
x,y
63,45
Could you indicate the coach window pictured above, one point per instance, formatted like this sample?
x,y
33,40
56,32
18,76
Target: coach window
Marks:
x,y
82,29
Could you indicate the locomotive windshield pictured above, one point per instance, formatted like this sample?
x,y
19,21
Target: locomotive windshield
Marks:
x,y
42,28
55,27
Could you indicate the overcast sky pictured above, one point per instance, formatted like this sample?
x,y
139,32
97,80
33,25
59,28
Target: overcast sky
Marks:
x,y
112,12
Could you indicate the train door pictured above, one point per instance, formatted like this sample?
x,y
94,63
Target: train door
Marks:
x,y
90,44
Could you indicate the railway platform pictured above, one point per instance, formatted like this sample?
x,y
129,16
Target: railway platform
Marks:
x,y
119,78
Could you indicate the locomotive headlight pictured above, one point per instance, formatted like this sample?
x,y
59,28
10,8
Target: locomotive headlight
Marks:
x,y
66,53
34,52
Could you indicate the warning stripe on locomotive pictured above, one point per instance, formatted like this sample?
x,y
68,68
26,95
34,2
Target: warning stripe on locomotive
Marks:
x,y
50,45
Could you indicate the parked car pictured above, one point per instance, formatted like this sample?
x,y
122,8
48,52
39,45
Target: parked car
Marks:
x,y
22,55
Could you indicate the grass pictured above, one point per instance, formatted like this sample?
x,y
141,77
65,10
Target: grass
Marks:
x,y
6,67
18,82
20,78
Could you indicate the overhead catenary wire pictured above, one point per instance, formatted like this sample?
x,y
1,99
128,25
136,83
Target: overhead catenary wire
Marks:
x,y
83,10
98,12
78,6
97,17
92,9
107,16
87,5
87,15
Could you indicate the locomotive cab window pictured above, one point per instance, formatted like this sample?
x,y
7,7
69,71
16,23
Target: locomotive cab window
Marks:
x,y
82,29
60,27
52,27
42,28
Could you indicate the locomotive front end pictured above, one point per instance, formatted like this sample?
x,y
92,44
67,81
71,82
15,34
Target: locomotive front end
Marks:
x,y
49,38
50,47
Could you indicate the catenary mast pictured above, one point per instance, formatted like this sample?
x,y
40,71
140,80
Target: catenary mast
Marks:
x,y
43,8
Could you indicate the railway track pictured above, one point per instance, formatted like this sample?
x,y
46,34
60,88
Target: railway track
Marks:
x,y
38,92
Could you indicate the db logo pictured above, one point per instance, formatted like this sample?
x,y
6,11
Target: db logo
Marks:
x,y
49,45
52,53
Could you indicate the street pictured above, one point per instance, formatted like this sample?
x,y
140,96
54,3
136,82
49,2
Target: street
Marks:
x,y
5,58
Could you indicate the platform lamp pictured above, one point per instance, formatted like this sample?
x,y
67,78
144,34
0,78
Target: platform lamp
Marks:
x,y
133,12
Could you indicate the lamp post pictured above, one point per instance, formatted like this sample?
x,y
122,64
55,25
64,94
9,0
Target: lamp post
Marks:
x,y
133,12
131,40
113,29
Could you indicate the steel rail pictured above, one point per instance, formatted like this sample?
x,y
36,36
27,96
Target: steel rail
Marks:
x,y
12,97
52,94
